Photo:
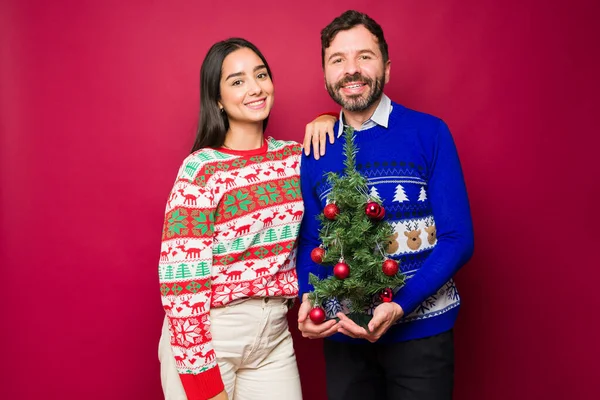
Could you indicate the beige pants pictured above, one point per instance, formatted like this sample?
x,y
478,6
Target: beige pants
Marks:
x,y
254,351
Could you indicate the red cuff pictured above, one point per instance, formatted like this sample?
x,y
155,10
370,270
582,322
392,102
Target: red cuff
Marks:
x,y
203,386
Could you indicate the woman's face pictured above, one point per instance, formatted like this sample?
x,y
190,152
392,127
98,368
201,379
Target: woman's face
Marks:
x,y
246,87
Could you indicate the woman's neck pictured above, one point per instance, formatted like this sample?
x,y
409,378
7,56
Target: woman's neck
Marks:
x,y
244,137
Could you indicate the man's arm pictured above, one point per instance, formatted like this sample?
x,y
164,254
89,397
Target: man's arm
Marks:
x,y
308,239
448,196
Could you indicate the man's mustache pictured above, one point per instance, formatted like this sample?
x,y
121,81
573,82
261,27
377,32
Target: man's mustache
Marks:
x,y
357,76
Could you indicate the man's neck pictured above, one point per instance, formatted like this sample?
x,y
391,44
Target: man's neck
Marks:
x,y
357,118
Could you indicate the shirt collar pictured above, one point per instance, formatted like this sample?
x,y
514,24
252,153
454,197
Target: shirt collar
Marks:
x,y
380,117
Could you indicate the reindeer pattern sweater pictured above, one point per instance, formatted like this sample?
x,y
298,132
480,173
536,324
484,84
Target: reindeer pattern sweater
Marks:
x,y
229,233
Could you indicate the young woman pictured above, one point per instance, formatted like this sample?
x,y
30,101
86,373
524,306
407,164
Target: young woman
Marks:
x,y
227,265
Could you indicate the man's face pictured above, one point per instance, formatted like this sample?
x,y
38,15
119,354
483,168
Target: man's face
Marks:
x,y
355,73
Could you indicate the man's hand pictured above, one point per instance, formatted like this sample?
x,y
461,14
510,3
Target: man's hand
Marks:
x,y
316,132
220,396
349,327
308,328
384,316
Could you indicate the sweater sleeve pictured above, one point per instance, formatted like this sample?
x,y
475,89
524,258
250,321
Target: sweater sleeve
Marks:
x,y
308,237
448,195
185,278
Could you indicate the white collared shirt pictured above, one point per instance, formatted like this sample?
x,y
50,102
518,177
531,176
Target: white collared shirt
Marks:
x,y
381,116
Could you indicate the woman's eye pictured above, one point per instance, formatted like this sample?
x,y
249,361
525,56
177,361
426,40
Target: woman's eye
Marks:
x,y
236,83
262,75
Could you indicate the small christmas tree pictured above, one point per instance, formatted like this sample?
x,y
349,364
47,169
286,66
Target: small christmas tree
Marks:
x,y
354,237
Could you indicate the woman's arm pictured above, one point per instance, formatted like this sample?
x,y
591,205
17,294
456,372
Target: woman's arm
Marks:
x,y
185,272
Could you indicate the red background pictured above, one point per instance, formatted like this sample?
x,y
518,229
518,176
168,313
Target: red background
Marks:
x,y
98,106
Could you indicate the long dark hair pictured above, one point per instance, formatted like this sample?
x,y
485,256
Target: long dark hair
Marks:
x,y
213,123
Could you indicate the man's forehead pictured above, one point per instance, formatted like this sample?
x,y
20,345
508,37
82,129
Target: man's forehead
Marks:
x,y
355,39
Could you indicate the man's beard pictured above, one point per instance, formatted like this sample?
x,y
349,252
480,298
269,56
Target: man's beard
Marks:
x,y
357,102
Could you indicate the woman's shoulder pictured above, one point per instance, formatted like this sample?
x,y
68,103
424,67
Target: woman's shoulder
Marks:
x,y
199,157
198,163
290,145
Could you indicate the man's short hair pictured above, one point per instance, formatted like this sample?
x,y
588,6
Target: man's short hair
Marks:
x,y
349,20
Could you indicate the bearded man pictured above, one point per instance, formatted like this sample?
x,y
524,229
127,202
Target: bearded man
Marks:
x,y
412,166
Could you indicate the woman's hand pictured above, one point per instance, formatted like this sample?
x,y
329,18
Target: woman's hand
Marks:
x,y
316,132
220,396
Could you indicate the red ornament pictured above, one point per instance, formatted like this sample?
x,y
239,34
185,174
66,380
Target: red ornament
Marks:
x,y
374,210
317,315
386,295
317,254
341,270
390,267
331,211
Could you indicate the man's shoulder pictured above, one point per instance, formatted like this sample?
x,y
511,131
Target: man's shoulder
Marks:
x,y
415,117
425,126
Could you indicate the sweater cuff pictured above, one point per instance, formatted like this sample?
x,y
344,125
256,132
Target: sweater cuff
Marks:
x,y
410,296
203,386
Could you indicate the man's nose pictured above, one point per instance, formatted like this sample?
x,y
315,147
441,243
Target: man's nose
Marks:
x,y
351,67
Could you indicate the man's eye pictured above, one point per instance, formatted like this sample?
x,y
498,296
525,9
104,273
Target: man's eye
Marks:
x,y
365,57
336,61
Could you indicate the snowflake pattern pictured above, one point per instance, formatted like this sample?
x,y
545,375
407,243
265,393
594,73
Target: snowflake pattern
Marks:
x,y
208,284
421,308
430,301
226,293
266,287
332,307
427,305
186,331
289,282
375,301
452,291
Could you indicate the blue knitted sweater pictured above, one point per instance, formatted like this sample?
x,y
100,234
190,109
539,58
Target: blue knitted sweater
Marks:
x,y
413,167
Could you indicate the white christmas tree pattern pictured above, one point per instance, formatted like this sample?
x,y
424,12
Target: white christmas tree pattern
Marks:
x,y
422,194
400,195
374,193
